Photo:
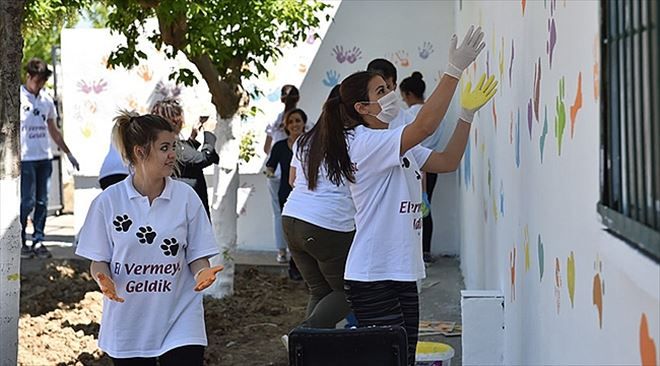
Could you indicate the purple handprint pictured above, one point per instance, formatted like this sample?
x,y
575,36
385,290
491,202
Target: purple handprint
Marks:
x,y
425,50
353,55
339,54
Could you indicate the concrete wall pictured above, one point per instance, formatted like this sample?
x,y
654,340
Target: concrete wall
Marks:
x,y
529,186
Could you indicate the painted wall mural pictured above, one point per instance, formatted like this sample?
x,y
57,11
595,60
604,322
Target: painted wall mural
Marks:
x,y
548,156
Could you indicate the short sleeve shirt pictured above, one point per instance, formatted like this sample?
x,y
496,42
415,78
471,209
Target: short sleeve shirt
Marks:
x,y
36,110
149,249
388,198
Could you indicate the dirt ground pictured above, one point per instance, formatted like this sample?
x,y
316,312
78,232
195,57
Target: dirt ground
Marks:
x,y
61,311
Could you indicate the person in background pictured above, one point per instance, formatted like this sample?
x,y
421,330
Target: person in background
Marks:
x,y
280,157
113,170
412,92
190,161
150,241
38,115
319,238
275,132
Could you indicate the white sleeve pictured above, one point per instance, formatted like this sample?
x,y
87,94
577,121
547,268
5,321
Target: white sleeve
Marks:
x,y
52,113
420,154
201,240
94,239
377,150
295,161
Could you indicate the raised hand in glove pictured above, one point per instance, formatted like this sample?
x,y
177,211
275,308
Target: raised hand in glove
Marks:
x,y
472,100
108,287
206,276
461,57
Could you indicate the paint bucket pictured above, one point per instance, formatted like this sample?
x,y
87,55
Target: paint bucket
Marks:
x,y
433,354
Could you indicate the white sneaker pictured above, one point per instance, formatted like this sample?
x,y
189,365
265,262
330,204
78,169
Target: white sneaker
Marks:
x,y
281,258
285,341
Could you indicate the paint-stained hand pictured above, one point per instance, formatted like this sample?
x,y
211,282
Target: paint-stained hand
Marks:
x,y
108,287
205,277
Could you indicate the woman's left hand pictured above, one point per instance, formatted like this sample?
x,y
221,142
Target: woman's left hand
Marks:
x,y
205,277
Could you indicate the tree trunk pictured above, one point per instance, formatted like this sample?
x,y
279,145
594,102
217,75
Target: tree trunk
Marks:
x,y
11,44
223,207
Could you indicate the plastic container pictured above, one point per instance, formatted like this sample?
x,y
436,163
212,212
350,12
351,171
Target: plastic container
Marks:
x,y
433,354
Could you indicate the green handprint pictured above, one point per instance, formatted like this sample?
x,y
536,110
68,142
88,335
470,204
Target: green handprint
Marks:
x,y
560,117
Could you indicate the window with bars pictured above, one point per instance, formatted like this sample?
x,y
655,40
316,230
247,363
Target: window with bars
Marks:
x,y
630,122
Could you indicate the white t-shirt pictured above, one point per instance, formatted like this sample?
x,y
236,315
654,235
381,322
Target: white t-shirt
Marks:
x,y
409,115
276,131
388,197
401,119
35,113
328,206
149,249
113,163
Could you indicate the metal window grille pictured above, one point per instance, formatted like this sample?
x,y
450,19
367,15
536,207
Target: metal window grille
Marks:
x,y
630,123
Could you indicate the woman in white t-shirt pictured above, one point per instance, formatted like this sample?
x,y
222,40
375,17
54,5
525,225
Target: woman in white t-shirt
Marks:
x,y
319,228
149,241
383,167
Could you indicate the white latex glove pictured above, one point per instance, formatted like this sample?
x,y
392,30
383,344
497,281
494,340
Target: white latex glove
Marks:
x,y
460,58
73,161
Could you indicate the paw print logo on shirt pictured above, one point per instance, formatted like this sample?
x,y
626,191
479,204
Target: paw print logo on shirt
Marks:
x,y
170,247
405,163
146,235
122,223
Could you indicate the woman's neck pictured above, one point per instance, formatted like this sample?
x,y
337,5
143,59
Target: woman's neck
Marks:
x,y
151,187
289,107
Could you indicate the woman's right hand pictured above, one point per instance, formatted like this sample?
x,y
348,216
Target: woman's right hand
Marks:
x,y
461,57
108,287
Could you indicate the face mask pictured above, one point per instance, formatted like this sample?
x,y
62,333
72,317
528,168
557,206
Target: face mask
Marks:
x,y
389,108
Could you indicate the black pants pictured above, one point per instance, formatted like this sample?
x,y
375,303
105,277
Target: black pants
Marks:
x,y
427,222
106,182
387,303
186,355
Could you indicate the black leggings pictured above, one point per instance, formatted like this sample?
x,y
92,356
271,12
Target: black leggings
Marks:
x,y
427,222
386,303
185,355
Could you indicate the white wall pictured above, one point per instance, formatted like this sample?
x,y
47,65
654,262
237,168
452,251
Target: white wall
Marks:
x,y
525,207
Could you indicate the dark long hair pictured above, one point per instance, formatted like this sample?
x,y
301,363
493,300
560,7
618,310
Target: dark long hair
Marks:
x,y
326,142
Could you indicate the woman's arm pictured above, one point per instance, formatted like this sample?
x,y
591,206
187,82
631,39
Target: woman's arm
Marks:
x,y
292,176
193,158
429,117
203,273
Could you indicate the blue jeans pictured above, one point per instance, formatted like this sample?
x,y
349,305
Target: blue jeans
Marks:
x,y
273,188
35,184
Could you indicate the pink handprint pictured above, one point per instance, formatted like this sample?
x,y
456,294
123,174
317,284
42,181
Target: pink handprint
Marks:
x,y
353,55
84,87
402,58
99,86
339,54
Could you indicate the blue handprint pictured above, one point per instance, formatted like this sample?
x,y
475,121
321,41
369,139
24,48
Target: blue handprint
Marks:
x,y
274,95
425,50
331,78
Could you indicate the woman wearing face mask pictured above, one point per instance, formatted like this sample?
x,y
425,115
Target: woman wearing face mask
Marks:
x,y
149,241
383,167
412,93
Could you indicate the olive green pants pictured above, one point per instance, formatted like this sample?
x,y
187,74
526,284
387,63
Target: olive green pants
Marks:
x,y
320,255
